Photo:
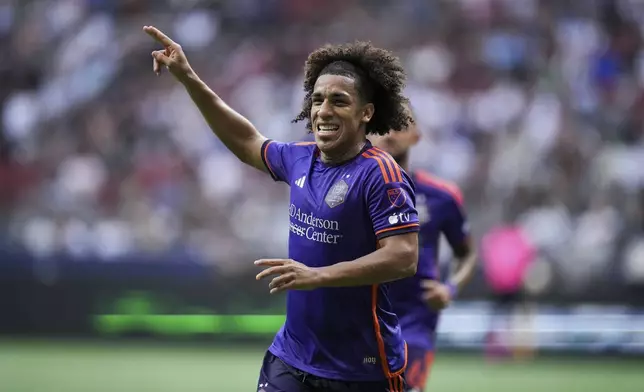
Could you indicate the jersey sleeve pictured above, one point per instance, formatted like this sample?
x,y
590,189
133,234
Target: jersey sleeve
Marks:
x,y
277,159
391,199
456,227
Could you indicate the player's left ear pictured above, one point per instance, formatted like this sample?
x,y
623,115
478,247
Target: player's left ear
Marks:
x,y
367,112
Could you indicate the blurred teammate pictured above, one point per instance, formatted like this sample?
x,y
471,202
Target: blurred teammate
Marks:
x,y
353,225
418,300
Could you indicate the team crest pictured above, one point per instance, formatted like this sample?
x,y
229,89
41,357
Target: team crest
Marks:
x,y
397,197
337,194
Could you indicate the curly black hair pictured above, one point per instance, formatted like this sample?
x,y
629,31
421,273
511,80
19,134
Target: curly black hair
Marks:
x,y
379,76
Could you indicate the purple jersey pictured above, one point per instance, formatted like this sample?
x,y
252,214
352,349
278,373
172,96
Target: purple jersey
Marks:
x,y
440,211
339,213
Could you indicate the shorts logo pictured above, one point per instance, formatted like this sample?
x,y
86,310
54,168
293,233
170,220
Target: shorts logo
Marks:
x,y
337,194
397,197
370,360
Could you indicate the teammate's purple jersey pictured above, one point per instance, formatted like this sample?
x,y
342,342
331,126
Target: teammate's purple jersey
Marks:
x,y
339,213
440,211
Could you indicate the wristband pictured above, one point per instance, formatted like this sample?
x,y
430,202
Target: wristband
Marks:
x,y
453,289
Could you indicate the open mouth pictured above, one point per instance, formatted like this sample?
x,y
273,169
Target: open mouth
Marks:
x,y
327,129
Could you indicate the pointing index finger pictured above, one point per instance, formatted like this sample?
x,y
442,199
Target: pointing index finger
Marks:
x,y
158,36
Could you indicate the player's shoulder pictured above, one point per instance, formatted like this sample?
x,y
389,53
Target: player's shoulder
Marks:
x,y
434,186
302,147
308,146
381,167
293,149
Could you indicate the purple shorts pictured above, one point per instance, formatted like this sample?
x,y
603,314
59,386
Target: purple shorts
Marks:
x,y
277,376
419,362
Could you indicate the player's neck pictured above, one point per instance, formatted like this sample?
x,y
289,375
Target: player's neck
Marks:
x,y
336,158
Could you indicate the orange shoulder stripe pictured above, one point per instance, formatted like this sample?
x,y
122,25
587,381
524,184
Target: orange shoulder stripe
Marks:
x,y
304,143
389,163
445,185
372,155
395,167
392,168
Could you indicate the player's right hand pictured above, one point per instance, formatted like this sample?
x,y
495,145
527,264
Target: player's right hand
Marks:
x,y
171,57
291,275
435,294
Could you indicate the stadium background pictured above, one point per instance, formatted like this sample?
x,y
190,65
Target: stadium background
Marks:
x,y
127,231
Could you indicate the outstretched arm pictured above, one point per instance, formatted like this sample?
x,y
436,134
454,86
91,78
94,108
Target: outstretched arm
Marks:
x,y
233,129
396,258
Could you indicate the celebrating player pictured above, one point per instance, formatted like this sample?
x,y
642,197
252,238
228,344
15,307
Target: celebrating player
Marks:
x,y
353,225
418,300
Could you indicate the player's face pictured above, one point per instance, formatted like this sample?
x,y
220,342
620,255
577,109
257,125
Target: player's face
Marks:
x,y
338,114
397,143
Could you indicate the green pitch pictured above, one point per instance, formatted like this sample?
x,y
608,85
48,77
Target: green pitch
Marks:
x,y
119,367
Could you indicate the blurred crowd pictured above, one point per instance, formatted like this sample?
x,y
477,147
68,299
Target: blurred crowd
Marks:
x,y
534,107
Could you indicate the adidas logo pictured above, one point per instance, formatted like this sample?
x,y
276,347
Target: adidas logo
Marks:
x,y
300,181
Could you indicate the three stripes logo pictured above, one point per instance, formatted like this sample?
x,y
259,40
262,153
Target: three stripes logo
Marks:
x,y
300,181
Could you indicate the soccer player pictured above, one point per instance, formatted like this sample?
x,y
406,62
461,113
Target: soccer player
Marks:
x,y
418,300
353,225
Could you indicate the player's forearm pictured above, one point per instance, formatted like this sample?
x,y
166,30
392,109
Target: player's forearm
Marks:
x,y
464,267
383,265
234,130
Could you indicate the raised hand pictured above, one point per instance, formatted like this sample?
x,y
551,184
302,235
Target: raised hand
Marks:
x,y
172,56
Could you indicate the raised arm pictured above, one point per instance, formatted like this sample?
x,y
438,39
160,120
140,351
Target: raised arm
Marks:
x,y
234,130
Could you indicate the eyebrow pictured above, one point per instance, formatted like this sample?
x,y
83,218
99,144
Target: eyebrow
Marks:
x,y
334,94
